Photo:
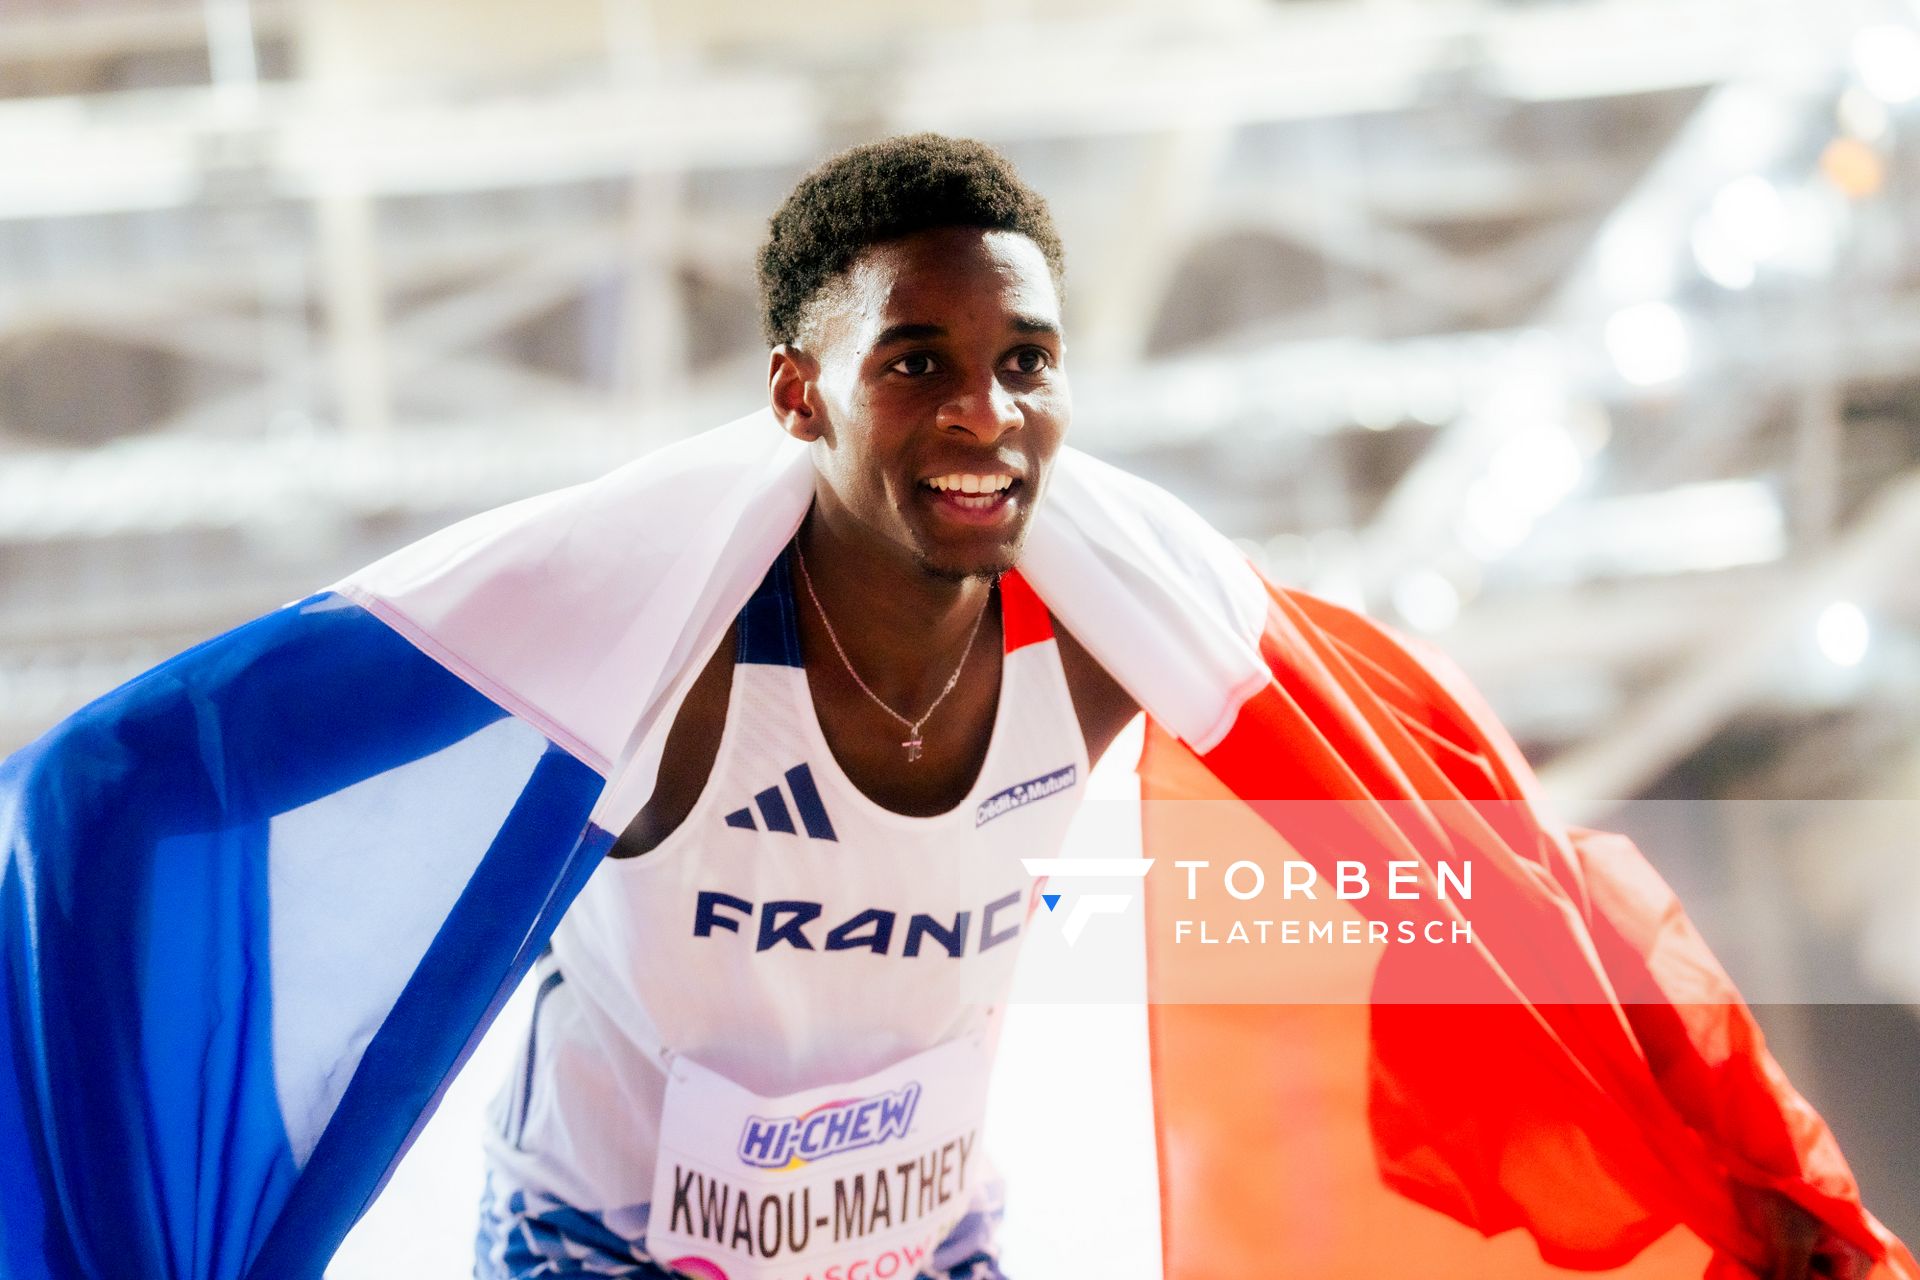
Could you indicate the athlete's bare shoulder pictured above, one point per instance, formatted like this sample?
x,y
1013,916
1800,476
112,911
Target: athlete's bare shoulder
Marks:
x,y
1103,707
692,744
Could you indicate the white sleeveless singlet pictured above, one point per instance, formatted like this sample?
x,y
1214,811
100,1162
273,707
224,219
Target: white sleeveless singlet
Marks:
x,y
790,933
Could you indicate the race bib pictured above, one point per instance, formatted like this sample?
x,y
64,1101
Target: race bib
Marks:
x,y
857,1181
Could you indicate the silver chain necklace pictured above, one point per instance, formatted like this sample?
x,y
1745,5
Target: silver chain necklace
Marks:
x,y
914,744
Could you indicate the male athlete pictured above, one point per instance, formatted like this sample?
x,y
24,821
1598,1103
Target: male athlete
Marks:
x,y
809,897
891,674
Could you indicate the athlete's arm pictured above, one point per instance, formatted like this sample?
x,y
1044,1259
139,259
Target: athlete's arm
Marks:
x,y
1103,707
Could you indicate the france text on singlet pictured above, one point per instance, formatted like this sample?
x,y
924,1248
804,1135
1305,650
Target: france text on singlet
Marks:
x,y
790,934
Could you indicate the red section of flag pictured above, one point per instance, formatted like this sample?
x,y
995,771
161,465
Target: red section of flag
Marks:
x,y
1595,1079
1023,619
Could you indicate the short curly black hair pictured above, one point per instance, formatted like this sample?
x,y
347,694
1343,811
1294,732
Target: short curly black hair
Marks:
x,y
880,192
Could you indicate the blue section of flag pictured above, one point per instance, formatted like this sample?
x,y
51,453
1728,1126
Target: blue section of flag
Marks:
x,y
773,809
741,818
23,1250
768,630
201,949
439,1018
138,932
806,798
1051,899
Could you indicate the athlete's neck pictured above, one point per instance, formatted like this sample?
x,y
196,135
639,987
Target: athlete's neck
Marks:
x,y
903,628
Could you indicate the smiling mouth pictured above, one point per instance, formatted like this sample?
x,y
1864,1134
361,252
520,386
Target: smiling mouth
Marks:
x,y
975,498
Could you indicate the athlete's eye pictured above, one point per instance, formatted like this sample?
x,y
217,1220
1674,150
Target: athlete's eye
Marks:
x,y
917,365
1030,360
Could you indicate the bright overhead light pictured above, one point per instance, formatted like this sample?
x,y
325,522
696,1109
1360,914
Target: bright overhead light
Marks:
x,y
1718,258
1843,633
1853,167
1750,212
1537,467
1649,343
1886,57
1529,475
1747,224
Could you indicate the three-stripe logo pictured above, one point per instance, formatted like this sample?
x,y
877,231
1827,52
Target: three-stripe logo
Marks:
x,y
772,805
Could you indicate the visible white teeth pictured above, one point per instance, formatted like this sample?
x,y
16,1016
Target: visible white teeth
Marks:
x,y
971,483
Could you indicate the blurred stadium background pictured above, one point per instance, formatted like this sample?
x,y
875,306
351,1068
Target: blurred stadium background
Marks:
x,y
1582,337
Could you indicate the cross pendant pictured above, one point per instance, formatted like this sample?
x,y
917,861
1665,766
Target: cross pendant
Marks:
x,y
913,746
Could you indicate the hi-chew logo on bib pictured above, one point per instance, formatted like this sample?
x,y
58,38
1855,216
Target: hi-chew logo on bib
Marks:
x,y
743,1188
788,1142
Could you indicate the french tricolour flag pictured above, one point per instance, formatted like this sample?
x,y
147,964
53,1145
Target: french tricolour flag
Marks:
x,y
259,903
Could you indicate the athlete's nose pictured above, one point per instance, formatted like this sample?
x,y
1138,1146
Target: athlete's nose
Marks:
x,y
984,411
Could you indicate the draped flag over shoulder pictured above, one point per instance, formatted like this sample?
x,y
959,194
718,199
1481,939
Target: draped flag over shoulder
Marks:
x,y
259,903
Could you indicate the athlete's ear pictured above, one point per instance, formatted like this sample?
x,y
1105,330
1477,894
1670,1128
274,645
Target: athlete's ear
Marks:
x,y
791,378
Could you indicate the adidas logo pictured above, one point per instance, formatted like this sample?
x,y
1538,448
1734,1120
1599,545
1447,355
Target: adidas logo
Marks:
x,y
772,806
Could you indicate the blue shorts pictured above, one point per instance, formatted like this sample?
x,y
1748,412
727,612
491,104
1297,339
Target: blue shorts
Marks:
x,y
528,1236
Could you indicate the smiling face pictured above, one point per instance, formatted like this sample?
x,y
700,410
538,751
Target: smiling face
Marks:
x,y
930,378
